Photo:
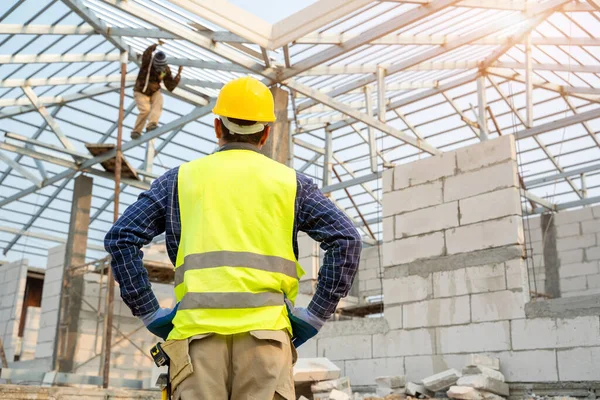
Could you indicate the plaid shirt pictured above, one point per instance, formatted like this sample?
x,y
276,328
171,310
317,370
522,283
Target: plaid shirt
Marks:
x,y
157,211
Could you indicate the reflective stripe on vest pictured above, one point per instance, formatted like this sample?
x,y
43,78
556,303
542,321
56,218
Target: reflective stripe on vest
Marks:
x,y
235,259
235,262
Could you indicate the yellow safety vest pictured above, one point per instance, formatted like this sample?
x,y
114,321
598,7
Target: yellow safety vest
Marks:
x,y
235,260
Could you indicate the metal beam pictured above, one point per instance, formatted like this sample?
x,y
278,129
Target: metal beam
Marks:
x,y
56,58
195,114
21,170
309,146
370,130
328,158
587,127
43,111
528,82
541,84
381,89
51,100
351,182
562,175
368,36
570,204
544,203
559,124
481,107
357,115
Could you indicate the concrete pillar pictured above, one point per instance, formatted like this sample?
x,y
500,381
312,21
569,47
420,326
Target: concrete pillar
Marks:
x,y
551,259
278,145
72,286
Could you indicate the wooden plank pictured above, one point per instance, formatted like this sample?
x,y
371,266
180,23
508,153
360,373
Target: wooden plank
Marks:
x,y
127,171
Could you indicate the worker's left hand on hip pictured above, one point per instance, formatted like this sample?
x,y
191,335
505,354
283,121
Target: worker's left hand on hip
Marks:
x,y
304,324
160,322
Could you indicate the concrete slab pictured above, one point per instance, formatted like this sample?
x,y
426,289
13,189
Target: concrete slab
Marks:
x,y
469,393
441,381
315,369
485,383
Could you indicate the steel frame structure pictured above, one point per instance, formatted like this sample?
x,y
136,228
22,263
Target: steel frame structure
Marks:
x,y
372,83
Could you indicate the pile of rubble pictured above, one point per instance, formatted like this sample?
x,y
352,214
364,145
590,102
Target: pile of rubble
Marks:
x,y
480,379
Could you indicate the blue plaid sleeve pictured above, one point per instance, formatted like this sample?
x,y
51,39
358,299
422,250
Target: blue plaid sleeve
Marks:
x,y
139,224
324,222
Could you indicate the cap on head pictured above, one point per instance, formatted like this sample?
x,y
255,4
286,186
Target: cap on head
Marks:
x,y
160,60
246,98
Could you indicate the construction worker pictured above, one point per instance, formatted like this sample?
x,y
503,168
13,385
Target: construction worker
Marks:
x,y
231,221
146,92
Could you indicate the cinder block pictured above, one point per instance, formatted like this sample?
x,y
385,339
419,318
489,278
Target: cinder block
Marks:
x,y
540,333
53,274
580,364
486,153
53,288
388,229
388,180
427,220
403,343
586,268
484,235
315,369
485,371
574,256
406,289
472,338
493,205
413,198
529,366
486,278
418,367
391,381
407,250
576,242
345,348
364,372
595,211
485,180
373,284
514,274
426,170
580,331
45,349
393,315
442,380
571,216
486,383
437,312
573,284
593,281
592,253
470,393
567,230
497,306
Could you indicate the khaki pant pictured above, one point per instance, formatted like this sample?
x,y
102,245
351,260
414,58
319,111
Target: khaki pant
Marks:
x,y
150,108
248,366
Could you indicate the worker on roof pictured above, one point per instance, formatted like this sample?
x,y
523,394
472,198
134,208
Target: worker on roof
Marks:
x,y
231,222
146,92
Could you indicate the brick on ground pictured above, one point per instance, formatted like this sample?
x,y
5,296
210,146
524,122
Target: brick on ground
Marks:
x,y
441,381
414,390
469,393
342,383
485,383
485,371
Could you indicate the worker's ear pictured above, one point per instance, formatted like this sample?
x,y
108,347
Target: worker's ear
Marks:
x,y
218,130
265,136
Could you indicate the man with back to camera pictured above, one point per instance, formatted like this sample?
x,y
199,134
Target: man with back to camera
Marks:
x,y
231,221
146,92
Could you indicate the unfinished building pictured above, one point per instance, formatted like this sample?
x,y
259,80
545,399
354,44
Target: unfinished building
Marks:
x,y
461,138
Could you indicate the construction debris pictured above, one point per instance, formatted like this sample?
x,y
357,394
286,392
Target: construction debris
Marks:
x,y
469,393
315,369
486,383
485,371
342,384
418,391
388,385
441,381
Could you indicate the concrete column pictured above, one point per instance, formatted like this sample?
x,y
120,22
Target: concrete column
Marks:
x,y
72,286
551,259
278,145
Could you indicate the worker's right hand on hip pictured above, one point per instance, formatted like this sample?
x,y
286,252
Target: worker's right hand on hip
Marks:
x,y
160,322
304,324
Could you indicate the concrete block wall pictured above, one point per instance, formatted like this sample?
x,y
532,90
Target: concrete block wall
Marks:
x,y
30,334
370,274
51,293
578,247
13,277
457,284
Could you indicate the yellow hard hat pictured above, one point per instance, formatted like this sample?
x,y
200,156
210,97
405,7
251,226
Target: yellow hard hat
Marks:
x,y
246,98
